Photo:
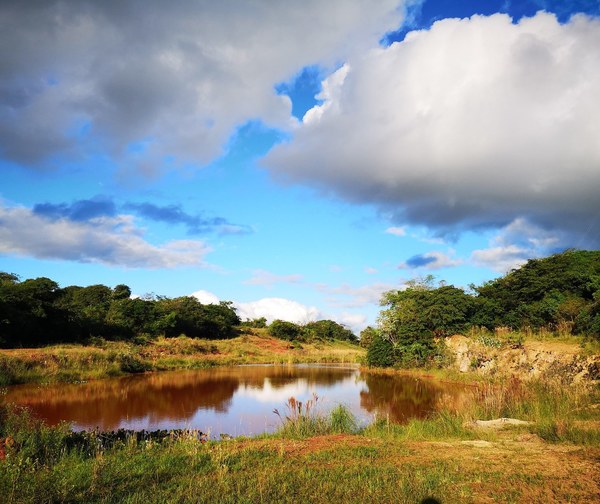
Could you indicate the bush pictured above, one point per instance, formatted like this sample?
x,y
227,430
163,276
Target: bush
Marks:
x,y
285,330
131,364
380,353
416,354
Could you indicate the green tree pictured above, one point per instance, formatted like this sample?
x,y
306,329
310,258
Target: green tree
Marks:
x,y
121,291
328,330
545,292
367,335
416,315
285,330
381,352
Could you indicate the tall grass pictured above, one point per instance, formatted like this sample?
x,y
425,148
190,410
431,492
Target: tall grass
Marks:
x,y
304,420
557,412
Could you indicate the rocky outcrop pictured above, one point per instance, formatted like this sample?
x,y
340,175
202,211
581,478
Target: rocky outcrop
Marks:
x,y
536,359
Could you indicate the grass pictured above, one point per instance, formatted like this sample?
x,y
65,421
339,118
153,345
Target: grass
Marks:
x,y
557,413
303,420
313,458
73,363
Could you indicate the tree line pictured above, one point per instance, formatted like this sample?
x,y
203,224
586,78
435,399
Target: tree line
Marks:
x,y
38,312
560,293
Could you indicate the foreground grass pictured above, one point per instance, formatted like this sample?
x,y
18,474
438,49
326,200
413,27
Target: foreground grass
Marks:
x,y
319,459
72,363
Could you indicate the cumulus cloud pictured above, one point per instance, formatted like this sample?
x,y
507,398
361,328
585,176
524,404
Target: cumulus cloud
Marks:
x,y
142,80
113,241
100,206
471,124
348,296
502,258
268,279
278,308
205,297
431,261
285,309
517,242
355,321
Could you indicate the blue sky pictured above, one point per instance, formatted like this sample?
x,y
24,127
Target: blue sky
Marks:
x,y
297,158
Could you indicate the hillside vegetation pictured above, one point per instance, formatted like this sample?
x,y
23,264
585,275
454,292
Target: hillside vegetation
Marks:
x,y
73,363
558,296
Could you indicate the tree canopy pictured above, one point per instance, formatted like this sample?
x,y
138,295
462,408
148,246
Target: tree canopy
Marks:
x,y
37,312
560,292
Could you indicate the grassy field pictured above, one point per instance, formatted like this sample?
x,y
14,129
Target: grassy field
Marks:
x,y
72,363
554,458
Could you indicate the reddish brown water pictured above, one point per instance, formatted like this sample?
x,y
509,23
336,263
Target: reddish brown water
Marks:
x,y
236,400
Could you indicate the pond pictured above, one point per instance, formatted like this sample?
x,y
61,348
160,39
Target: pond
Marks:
x,y
235,400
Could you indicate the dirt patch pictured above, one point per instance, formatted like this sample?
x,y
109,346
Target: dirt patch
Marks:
x,y
271,345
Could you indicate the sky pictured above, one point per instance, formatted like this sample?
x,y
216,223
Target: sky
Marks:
x,y
298,158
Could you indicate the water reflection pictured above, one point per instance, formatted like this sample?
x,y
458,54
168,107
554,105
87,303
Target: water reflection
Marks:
x,y
403,398
235,400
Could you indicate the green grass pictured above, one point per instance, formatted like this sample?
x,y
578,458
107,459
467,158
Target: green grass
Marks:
x,y
316,458
442,426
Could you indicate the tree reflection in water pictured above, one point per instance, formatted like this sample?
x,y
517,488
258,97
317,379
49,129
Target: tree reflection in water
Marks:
x,y
233,400
401,398
174,396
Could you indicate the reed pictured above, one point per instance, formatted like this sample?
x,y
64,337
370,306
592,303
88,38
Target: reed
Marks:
x,y
303,419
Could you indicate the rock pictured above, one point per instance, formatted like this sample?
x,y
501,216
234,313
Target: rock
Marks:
x,y
536,359
498,423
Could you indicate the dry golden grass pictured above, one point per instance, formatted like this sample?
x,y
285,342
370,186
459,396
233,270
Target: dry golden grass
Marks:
x,y
110,358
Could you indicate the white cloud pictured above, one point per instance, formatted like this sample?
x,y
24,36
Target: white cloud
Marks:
x,y
268,279
473,123
396,231
176,79
371,271
330,90
113,241
356,322
278,308
501,259
348,296
205,297
514,244
286,309
431,261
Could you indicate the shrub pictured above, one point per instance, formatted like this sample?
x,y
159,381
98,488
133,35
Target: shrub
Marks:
x,y
285,330
380,353
131,364
416,354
